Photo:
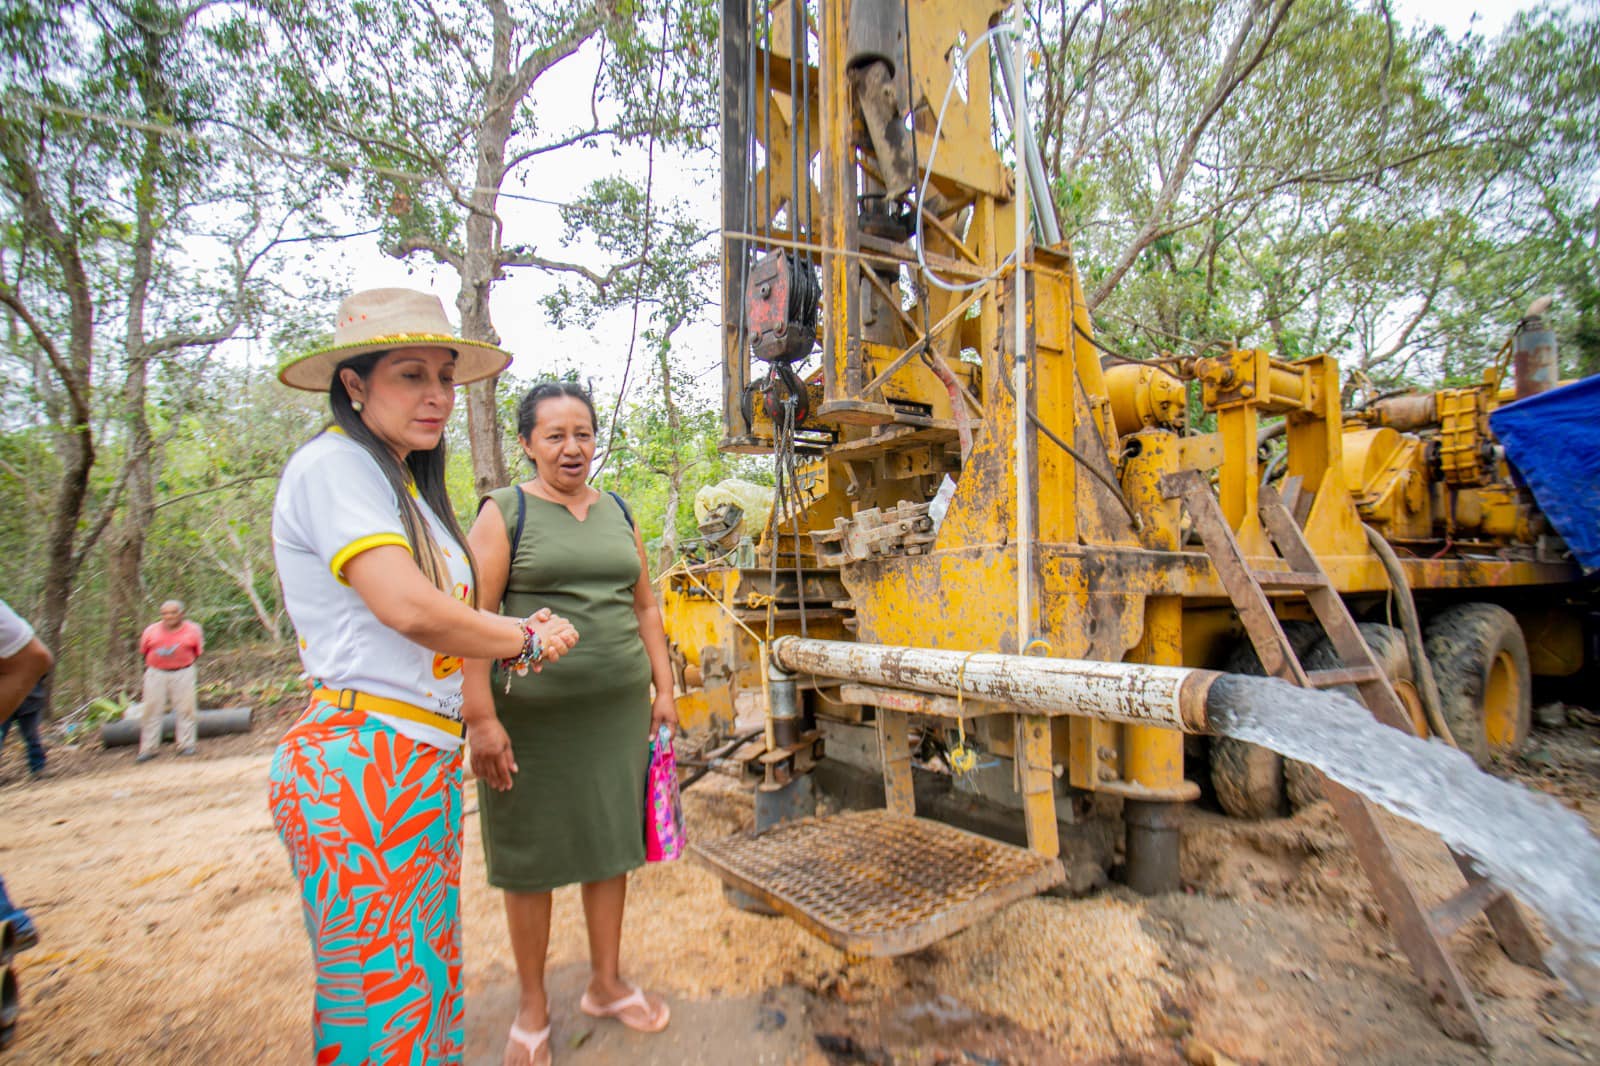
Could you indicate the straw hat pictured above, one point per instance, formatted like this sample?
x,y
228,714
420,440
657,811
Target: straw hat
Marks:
x,y
380,319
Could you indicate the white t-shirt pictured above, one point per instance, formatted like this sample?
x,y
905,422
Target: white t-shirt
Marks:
x,y
15,632
333,504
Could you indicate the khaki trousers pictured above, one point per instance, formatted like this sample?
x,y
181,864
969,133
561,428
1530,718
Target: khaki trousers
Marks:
x,y
164,689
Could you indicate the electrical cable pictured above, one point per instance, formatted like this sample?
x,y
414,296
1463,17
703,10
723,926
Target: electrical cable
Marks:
x,y
805,108
766,109
1118,356
794,120
748,104
644,256
1083,462
241,146
927,175
789,494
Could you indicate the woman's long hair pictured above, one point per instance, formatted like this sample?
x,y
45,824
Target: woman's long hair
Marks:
x,y
422,470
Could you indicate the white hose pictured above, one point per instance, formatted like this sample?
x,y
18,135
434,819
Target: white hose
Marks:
x,y
1001,29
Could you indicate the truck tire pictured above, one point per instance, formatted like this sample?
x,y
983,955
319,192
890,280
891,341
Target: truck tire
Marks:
x,y
1248,780
1302,783
1480,661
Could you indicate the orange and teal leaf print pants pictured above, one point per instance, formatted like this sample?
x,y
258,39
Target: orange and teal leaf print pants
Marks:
x,y
372,821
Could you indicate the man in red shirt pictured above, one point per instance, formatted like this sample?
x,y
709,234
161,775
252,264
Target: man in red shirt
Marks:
x,y
170,648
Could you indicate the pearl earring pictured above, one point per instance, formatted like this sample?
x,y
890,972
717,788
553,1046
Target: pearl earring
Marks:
x,y
355,405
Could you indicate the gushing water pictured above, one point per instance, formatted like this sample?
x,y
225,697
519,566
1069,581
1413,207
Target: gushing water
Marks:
x,y
1526,842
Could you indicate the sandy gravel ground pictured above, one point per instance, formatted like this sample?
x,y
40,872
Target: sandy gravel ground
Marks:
x,y
172,935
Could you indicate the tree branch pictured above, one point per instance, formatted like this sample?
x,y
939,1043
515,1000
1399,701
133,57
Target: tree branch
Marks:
x,y
583,27
214,488
417,243
526,258
13,300
102,519
1232,74
565,142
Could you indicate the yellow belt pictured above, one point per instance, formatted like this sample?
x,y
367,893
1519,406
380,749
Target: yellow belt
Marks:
x,y
353,700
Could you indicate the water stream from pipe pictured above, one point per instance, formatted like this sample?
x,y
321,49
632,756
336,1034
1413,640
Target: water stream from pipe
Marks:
x,y
1526,842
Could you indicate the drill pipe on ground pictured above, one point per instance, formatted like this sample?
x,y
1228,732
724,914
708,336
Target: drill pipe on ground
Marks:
x,y
213,723
1171,697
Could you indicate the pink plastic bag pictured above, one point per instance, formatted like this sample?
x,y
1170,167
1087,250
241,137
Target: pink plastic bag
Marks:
x,y
663,823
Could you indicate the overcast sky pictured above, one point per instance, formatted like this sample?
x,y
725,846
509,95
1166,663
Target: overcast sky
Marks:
x,y
600,353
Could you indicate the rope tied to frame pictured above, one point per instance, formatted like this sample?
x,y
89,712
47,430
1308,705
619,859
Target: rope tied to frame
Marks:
x,y
963,758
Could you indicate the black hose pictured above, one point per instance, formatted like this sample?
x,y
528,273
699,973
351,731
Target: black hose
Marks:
x,y
1274,467
1411,626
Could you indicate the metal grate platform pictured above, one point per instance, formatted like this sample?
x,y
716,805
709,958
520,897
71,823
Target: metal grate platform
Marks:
x,y
874,883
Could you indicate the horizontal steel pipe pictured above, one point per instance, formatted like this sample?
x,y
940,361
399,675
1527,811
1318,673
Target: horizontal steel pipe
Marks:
x,y
1172,697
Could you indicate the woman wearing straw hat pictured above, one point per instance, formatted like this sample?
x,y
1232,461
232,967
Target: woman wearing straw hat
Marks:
x,y
366,786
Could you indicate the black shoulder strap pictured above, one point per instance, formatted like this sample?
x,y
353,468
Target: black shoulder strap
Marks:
x,y
625,512
522,516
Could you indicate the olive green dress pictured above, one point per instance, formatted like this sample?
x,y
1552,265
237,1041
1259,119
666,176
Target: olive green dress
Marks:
x,y
580,728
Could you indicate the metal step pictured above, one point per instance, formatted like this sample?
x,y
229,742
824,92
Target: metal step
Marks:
x,y
876,883
1289,579
1350,675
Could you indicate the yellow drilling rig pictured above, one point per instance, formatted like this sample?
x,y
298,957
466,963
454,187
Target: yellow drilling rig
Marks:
x,y
1002,560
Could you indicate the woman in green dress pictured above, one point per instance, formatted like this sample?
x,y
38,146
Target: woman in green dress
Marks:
x,y
561,763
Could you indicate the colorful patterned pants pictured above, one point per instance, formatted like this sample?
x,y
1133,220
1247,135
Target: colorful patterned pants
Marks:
x,y
372,822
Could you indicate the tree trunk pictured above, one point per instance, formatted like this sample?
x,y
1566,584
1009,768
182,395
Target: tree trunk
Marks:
x,y
77,456
483,415
126,550
478,269
127,546
481,265
126,554
484,260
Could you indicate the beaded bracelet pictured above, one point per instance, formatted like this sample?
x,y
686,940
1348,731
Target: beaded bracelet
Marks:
x,y
532,652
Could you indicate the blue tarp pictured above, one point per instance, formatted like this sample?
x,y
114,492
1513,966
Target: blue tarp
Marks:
x,y
1553,439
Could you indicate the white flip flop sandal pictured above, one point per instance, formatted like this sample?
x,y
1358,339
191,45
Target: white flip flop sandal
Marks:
x,y
634,998
532,1042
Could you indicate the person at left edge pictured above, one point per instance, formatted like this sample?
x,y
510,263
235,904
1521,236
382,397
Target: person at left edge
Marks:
x,y
24,660
366,787
24,663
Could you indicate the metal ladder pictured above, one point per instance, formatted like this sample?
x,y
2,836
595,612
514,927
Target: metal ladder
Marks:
x,y
1423,933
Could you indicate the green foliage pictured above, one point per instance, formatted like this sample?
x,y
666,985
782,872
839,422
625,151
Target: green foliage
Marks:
x,y
464,87
1395,197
